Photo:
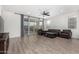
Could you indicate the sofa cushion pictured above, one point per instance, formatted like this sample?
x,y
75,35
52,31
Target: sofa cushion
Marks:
x,y
53,30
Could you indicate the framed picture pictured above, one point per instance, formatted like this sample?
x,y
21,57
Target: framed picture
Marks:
x,y
72,22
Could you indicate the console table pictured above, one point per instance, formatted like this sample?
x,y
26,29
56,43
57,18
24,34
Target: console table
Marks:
x,y
4,42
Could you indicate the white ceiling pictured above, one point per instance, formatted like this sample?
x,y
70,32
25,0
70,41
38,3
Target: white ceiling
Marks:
x,y
35,10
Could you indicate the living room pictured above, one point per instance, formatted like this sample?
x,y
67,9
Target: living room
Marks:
x,y
51,29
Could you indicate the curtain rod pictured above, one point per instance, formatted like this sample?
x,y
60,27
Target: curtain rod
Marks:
x,y
28,15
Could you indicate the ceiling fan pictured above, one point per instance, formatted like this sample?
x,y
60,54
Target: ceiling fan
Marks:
x,y
45,13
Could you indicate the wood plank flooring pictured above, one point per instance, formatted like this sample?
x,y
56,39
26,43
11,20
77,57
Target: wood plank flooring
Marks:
x,y
43,45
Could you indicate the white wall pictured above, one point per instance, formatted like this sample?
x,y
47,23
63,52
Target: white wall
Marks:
x,y
61,22
11,23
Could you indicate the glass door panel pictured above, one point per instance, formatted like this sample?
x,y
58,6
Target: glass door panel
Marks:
x,y
31,25
26,25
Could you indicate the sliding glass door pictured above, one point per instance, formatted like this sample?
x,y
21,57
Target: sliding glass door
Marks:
x,y
31,25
